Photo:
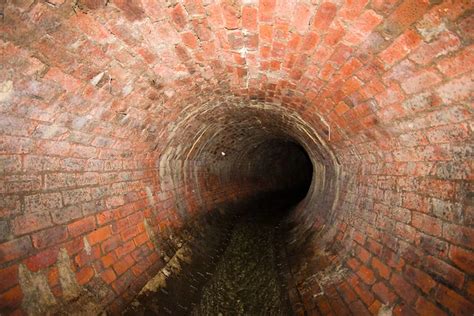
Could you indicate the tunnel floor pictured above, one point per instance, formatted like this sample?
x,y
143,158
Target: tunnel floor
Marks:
x,y
243,276
247,279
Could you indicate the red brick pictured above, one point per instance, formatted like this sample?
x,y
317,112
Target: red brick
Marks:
x,y
386,295
179,16
447,42
358,308
84,258
381,268
364,293
53,276
462,258
42,260
353,263
470,289
454,302
362,27
457,64
9,277
457,90
81,226
366,275
140,268
108,275
419,278
99,235
374,246
69,83
403,288
74,246
125,248
84,275
42,202
363,255
346,292
49,237
190,40
421,81
400,47
447,272
11,298
31,222
405,14
123,264
375,307
249,18
109,259
324,16
15,249
392,259
459,235
129,233
90,26
266,9
301,17
110,244
427,224
424,307
140,239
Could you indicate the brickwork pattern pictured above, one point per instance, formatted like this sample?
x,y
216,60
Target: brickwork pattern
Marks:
x,y
111,112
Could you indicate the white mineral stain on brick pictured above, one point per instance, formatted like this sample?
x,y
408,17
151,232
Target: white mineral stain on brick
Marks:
x,y
6,90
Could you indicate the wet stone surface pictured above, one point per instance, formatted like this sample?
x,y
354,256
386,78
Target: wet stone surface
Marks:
x,y
247,279
235,270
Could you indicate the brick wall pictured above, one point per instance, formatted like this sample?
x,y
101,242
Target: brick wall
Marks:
x,y
113,112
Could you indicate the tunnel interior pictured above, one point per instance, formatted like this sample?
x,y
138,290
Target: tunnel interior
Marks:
x,y
236,157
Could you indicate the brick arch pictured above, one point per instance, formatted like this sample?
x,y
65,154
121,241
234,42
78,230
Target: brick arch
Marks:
x,y
99,101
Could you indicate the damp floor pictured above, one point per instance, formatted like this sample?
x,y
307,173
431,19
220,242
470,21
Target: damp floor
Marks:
x,y
242,277
247,279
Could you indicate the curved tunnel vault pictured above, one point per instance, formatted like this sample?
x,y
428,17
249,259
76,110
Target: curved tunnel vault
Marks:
x,y
135,134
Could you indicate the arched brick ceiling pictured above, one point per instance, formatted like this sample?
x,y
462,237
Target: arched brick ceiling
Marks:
x,y
114,115
360,71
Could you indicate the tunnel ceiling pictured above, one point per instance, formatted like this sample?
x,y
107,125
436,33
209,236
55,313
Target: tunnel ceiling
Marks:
x,y
363,74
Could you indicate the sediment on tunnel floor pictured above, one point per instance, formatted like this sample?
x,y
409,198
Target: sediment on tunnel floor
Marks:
x,y
236,267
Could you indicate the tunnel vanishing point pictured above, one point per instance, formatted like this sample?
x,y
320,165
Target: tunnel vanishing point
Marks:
x,y
190,156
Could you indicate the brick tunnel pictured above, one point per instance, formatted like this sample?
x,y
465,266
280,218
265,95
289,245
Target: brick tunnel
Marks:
x,y
253,157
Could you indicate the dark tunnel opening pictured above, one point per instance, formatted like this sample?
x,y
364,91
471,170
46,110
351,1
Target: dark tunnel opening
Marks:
x,y
239,265
287,164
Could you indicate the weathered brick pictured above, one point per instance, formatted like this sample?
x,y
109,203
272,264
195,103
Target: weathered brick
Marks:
x,y
99,235
84,275
459,235
403,288
448,273
31,222
11,298
462,258
42,202
427,224
9,277
81,226
425,307
42,260
49,237
384,293
381,268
